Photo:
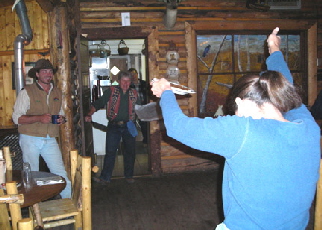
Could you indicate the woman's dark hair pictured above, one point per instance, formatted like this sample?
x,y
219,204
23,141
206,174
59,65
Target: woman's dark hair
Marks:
x,y
270,86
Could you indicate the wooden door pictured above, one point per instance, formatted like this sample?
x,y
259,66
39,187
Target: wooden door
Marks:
x,y
121,62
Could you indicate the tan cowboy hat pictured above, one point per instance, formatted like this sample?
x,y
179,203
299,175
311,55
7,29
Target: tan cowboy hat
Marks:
x,y
41,64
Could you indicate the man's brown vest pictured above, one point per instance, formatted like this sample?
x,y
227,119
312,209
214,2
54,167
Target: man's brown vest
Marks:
x,y
39,106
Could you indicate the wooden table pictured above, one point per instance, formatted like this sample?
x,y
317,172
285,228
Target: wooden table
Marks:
x,y
36,193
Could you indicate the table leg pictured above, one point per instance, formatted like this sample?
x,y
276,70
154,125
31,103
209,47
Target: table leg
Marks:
x,y
38,215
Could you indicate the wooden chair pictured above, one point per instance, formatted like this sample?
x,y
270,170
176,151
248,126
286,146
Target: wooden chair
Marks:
x,y
76,210
4,214
12,214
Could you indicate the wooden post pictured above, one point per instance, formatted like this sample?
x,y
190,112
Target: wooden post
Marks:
x,y
318,204
86,192
312,66
192,67
153,48
59,52
15,209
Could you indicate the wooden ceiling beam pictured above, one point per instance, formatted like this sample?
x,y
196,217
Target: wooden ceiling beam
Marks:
x,y
6,3
47,5
117,32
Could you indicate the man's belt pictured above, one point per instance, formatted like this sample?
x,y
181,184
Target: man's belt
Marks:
x,y
117,122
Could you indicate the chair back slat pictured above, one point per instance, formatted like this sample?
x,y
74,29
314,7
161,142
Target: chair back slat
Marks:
x,y
76,178
2,168
12,198
7,157
73,164
77,189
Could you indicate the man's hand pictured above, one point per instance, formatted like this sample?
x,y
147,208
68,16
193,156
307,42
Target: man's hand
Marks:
x,y
61,120
88,118
274,41
45,118
159,86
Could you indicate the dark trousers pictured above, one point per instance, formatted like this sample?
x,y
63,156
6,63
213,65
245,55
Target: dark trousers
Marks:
x,y
144,130
113,137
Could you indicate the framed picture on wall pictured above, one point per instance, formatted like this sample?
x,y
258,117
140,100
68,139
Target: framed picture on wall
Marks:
x,y
28,80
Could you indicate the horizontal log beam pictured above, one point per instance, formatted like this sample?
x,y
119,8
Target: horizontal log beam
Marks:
x,y
262,24
115,32
167,45
161,8
170,32
11,52
165,71
119,20
93,9
294,22
180,59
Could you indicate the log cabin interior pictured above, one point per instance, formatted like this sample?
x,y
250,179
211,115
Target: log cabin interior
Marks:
x,y
213,41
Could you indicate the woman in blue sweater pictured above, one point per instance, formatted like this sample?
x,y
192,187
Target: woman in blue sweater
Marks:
x,y
271,146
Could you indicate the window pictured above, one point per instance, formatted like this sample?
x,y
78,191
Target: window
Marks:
x,y
223,58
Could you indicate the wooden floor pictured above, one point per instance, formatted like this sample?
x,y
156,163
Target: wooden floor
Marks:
x,y
141,166
173,202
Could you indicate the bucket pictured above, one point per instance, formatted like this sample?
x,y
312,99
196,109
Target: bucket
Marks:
x,y
122,48
103,52
95,53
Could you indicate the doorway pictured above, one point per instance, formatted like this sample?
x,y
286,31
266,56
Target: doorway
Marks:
x,y
102,74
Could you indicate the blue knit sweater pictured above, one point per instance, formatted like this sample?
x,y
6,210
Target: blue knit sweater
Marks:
x,y
271,167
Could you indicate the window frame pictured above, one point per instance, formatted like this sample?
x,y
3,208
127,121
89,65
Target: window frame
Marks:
x,y
302,70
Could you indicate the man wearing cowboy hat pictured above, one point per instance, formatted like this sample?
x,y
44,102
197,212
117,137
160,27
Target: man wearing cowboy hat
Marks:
x,y
33,112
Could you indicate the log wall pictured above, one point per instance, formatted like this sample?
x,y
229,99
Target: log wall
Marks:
x,y
9,29
45,44
102,20
319,48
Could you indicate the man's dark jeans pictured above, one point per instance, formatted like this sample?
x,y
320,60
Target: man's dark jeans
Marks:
x,y
113,137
